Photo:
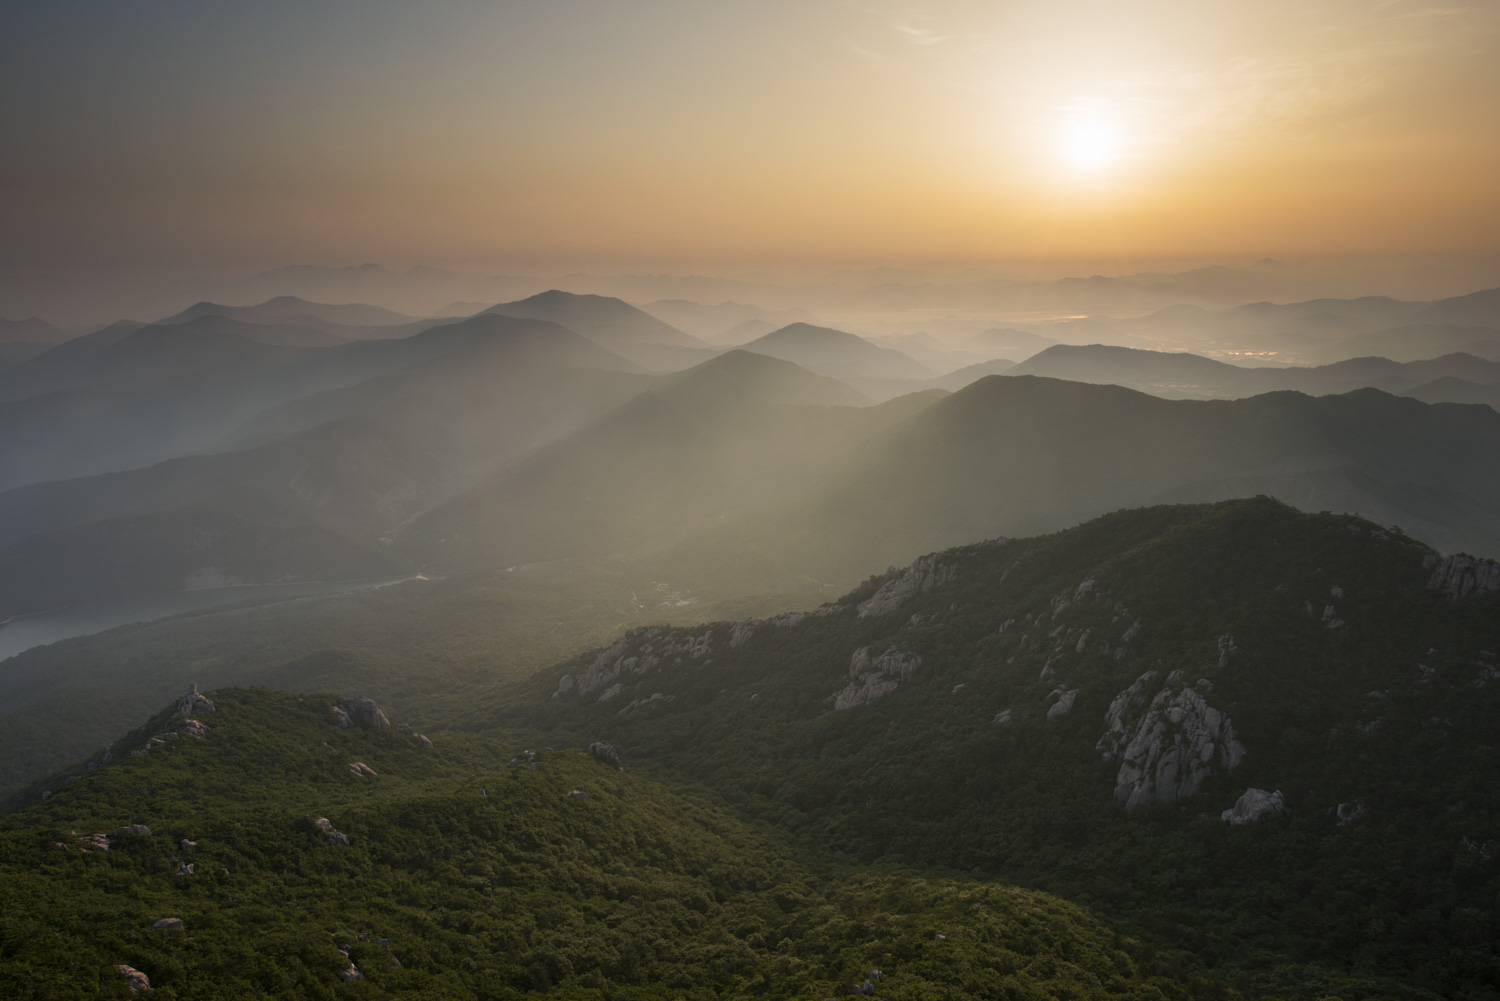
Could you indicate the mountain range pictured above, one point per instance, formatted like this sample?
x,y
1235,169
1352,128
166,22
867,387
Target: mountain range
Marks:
x,y
1228,750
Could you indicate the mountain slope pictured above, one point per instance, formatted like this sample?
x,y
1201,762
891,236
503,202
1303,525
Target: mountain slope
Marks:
x,y
836,354
375,456
1018,455
1449,389
726,436
33,329
608,321
1075,712
452,875
1189,376
128,397
283,308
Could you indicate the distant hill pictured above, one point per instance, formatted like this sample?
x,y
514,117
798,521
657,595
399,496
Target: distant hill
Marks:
x,y
1449,389
13,353
726,322
284,307
956,380
1162,373
611,322
356,462
1021,455
1189,376
837,354
126,397
33,329
726,436
1417,341
1478,309
288,319
1006,342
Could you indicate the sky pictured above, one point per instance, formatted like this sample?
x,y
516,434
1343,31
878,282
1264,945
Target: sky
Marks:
x,y
142,135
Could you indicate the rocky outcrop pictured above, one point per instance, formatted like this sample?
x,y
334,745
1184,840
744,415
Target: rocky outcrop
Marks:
x,y
874,678
359,712
1064,704
1124,711
351,973
605,754
134,979
1062,602
192,703
657,699
333,837
361,770
1167,747
130,831
637,653
922,576
1462,575
565,685
193,728
742,632
168,924
1253,805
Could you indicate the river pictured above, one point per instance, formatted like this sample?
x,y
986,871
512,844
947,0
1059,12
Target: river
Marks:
x,y
27,631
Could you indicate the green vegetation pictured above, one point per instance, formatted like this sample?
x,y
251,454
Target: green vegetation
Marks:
x,y
764,842
1389,711
574,880
423,649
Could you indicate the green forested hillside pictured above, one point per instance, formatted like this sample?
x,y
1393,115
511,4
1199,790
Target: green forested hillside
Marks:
x,y
1034,715
469,874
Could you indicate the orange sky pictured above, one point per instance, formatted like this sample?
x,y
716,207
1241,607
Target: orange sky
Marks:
x,y
515,134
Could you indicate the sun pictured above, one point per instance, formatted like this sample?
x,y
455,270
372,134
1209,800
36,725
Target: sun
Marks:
x,y
1089,144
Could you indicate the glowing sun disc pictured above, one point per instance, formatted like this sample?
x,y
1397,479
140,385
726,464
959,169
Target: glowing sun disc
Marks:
x,y
1089,145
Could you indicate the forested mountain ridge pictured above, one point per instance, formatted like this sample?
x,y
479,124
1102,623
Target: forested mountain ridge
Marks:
x,y
1077,711
256,843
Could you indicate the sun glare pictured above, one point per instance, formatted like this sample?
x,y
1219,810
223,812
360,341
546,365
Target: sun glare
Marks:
x,y
1089,145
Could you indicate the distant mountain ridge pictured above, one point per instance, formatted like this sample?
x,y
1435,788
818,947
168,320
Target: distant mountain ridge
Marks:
x,y
836,353
1187,376
611,322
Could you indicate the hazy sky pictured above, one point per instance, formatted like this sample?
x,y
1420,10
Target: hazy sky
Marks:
x,y
545,133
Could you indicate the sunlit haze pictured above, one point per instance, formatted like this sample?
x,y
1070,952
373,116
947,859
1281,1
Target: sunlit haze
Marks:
x,y
658,134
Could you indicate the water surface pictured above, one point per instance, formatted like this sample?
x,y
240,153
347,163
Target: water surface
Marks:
x,y
29,631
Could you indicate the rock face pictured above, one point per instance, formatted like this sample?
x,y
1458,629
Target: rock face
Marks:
x,y
193,728
1253,805
637,653
168,924
605,754
1064,703
742,632
359,712
871,679
655,700
1461,575
565,684
131,831
351,974
134,979
922,576
193,703
361,770
334,837
1167,747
